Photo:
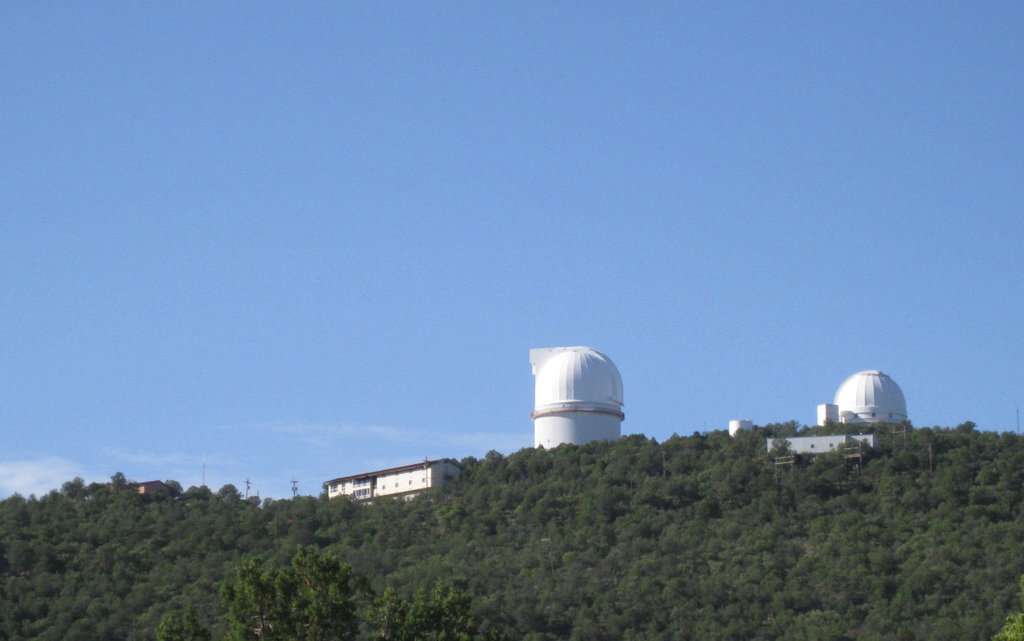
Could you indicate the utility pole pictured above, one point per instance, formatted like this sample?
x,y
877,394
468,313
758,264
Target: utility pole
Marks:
x,y
295,487
247,486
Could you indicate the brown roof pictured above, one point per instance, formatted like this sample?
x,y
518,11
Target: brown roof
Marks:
x,y
152,486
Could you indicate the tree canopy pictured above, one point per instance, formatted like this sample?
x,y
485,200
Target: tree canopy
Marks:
x,y
697,537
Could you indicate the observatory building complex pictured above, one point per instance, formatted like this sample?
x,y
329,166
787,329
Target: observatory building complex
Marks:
x,y
578,396
865,397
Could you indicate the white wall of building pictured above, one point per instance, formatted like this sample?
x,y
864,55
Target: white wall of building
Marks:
x,y
738,425
822,444
828,413
552,430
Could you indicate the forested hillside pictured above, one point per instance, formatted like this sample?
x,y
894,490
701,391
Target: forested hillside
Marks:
x,y
699,537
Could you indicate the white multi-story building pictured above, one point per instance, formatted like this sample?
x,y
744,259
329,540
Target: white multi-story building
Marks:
x,y
406,480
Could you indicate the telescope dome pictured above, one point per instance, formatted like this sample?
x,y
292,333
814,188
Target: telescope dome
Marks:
x,y
577,396
870,397
578,375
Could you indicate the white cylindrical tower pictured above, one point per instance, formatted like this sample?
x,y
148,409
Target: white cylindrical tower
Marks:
x,y
739,424
870,397
577,396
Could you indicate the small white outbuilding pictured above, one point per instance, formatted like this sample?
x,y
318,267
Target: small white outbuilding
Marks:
x,y
738,425
577,396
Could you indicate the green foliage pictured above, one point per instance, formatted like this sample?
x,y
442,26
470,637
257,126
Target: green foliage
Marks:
x,y
315,600
1013,630
697,537
442,615
184,627
312,600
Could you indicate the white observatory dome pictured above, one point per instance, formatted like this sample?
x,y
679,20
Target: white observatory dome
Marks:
x,y
870,397
577,396
579,375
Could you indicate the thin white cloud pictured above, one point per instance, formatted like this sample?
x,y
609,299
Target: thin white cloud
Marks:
x,y
145,458
483,442
35,477
322,433
326,436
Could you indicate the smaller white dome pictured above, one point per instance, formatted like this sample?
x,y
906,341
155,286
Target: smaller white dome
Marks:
x,y
871,397
575,376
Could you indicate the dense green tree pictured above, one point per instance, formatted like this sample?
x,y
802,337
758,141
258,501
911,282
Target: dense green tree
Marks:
x,y
1013,629
184,627
700,536
312,600
441,615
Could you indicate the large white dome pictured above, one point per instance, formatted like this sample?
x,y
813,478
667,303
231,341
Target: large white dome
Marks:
x,y
576,375
870,397
577,396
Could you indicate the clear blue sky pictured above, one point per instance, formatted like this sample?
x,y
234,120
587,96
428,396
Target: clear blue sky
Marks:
x,y
306,240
